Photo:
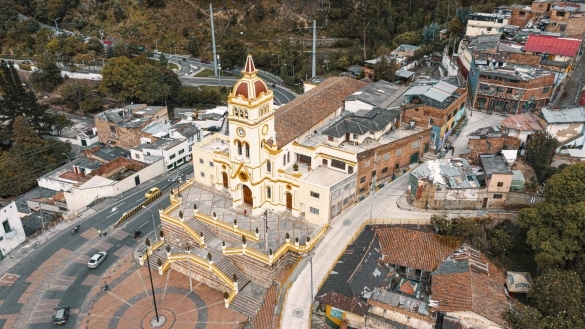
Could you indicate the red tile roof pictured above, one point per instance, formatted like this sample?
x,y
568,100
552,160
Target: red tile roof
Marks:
x,y
304,112
350,304
522,122
414,249
472,290
552,45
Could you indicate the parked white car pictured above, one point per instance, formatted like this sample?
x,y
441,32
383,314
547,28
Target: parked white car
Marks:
x,y
97,259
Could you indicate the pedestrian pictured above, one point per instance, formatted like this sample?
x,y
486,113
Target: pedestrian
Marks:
x,y
105,233
100,233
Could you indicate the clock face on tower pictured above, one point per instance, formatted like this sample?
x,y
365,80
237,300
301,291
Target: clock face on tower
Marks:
x,y
241,132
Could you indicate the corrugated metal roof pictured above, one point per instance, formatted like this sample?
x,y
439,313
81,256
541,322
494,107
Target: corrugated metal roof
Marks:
x,y
568,115
552,45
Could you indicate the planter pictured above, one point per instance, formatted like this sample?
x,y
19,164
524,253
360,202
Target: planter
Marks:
x,y
226,303
160,270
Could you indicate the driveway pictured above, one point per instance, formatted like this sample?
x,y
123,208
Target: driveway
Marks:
x,y
573,87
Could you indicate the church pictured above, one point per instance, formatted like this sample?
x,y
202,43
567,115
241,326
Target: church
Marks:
x,y
274,159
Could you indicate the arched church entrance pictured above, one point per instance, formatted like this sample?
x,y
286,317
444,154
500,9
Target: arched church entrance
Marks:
x,y
247,195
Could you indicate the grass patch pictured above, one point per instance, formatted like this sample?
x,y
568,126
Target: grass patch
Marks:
x,y
173,66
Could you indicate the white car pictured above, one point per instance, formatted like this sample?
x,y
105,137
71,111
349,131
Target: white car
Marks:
x,y
156,52
97,259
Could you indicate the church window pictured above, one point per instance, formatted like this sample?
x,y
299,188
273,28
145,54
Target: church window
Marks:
x,y
247,150
235,113
239,148
268,192
246,114
268,166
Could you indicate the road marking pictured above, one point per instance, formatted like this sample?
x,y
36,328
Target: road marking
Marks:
x,y
114,209
142,225
110,215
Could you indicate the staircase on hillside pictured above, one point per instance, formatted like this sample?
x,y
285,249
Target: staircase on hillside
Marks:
x,y
249,300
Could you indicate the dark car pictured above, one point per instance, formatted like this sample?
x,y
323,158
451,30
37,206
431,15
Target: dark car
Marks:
x,y
61,315
26,62
214,129
205,60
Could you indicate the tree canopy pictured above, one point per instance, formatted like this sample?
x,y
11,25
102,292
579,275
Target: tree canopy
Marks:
x,y
556,226
540,151
138,79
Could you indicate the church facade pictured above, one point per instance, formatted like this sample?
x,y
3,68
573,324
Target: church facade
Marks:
x,y
270,160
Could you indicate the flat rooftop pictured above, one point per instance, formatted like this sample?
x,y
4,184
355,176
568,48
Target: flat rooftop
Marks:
x,y
215,143
324,176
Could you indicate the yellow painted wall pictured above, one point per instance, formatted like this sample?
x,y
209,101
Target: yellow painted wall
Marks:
x,y
334,319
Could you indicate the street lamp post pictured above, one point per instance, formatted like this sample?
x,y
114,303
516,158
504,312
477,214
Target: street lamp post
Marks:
x,y
68,160
147,243
56,26
188,249
156,45
266,231
219,69
43,222
311,262
153,224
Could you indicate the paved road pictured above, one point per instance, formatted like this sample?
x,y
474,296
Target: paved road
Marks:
x,y
57,273
573,88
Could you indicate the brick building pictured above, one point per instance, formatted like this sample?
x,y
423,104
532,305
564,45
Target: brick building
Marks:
x,y
490,140
509,89
521,15
122,127
439,106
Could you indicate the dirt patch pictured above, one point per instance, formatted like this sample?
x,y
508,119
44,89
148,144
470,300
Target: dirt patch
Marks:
x,y
526,169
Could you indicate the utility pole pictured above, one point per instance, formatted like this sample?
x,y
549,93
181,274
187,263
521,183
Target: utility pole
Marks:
x,y
373,187
213,40
314,68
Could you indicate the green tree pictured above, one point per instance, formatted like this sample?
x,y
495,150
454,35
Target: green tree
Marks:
x,y
119,13
259,12
162,59
32,155
430,32
193,46
408,38
559,291
522,316
540,151
62,122
91,104
120,78
386,67
233,53
556,226
16,101
455,28
47,76
75,92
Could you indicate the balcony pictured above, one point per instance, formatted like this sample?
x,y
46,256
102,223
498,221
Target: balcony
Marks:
x,y
10,235
554,63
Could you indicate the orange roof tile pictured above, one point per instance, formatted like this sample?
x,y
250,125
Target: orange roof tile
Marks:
x,y
305,111
414,249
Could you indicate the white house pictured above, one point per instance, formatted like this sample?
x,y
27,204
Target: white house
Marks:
x,y
156,130
186,130
481,23
174,151
567,125
88,138
11,232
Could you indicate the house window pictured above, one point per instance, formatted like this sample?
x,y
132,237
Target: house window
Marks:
x,y
211,163
373,174
284,159
350,169
431,121
314,195
363,179
398,152
509,91
362,190
330,138
314,210
562,27
449,117
148,153
288,156
415,144
337,164
137,156
397,166
356,136
385,170
545,90
386,156
202,174
170,166
498,196
268,166
268,192
201,160
6,226
367,164
500,184
489,29
181,151
113,129
172,156
560,13
324,162
522,13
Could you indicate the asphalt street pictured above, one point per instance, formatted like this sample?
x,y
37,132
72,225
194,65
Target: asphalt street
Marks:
x,y
41,285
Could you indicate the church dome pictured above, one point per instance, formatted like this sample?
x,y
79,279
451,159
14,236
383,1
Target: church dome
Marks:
x,y
250,86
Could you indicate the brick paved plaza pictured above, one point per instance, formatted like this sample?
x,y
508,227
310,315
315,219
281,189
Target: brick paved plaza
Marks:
x,y
128,301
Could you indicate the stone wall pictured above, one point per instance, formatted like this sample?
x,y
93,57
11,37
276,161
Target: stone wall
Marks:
x,y
490,145
123,137
200,274
176,236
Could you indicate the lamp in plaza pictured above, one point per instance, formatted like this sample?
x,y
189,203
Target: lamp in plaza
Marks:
x,y
188,250
266,231
147,243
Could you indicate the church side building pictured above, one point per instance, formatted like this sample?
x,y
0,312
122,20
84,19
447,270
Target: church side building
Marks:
x,y
267,161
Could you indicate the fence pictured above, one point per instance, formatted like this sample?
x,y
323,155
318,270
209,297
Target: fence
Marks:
x,y
135,210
